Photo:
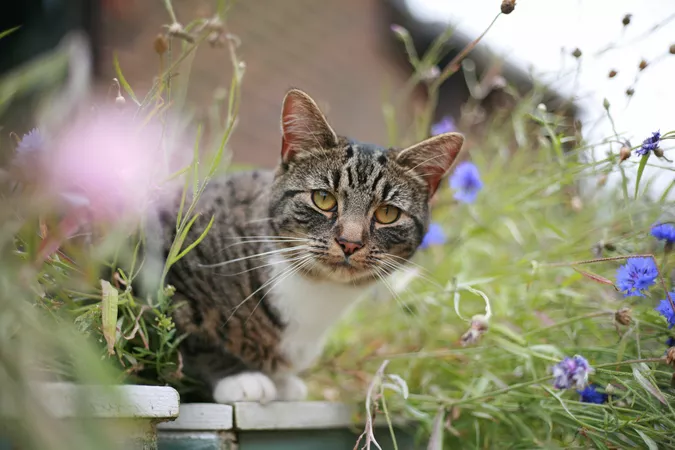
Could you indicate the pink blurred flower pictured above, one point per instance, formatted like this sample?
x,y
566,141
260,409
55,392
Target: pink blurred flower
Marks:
x,y
105,164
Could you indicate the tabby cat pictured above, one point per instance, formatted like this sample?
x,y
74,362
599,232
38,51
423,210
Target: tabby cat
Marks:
x,y
292,249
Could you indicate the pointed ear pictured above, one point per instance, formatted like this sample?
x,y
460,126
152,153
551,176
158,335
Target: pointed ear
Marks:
x,y
303,127
431,159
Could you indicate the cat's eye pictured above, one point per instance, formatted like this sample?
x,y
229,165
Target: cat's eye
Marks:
x,y
387,214
325,201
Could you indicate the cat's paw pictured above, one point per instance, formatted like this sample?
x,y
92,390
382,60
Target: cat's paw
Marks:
x,y
290,388
245,387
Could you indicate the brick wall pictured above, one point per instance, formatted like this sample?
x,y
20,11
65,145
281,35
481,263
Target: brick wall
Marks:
x,y
335,50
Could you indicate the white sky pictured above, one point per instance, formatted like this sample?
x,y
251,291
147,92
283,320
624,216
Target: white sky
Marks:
x,y
536,32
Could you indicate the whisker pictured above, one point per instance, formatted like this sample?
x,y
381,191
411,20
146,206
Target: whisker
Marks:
x,y
267,283
271,252
293,258
296,268
393,293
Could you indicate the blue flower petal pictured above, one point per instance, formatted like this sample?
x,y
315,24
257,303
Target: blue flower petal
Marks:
x,y
434,236
466,182
636,276
666,310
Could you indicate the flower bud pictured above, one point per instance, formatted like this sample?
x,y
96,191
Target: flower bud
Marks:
x,y
605,104
626,20
160,44
508,6
630,92
670,356
400,32
623,316
612,73
671,50
577,53
658,152
624,153
120,101
643,65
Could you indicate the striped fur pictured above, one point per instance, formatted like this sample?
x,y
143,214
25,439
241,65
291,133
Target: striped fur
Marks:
x,y
260,292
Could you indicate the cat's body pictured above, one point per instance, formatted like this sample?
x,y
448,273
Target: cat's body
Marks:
x,y
290,251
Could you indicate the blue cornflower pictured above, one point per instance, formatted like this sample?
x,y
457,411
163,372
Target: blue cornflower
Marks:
x,y
636,276
434,236
650,144
664,232
466,182
446,125
571,372
31,141
590,395
666,310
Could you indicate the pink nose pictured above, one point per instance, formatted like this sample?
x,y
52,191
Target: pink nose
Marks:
x,y
349,247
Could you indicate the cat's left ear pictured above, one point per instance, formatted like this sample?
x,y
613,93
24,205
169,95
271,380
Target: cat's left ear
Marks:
x,y
303,126
431,159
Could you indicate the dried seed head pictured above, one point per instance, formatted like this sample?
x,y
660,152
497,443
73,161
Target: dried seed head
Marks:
x,y
670,356
161,44
431,74
399,31
508,6
626,20
630,92
671,50
612,73
479,325
576,204
643,65
623,316
624,153
577,53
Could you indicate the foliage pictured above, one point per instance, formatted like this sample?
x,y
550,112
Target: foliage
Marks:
x,y
519,274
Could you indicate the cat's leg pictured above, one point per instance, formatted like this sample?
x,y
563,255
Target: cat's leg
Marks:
x,y
290,388
244,387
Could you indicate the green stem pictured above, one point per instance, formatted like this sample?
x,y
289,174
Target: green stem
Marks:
x,y
388,417
541,380
169,8
562,323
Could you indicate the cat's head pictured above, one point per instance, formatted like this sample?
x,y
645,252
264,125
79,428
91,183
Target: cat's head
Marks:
x,y
356,210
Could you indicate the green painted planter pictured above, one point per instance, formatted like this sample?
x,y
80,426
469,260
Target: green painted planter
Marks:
x,y
279,425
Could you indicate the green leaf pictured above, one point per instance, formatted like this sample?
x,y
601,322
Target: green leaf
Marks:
x,y
196,242
641,168
436,438
109,303
648,385
8,32
123,81
649,441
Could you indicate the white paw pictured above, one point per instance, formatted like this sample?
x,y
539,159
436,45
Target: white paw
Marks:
x,y
245,387
290,388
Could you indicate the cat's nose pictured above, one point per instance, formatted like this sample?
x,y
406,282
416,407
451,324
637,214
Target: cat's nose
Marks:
x,y
349,247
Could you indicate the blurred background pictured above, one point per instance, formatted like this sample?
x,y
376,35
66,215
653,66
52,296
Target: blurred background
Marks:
x,y
342,52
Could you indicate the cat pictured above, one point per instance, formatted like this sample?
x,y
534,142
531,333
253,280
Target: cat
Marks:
x,y
292,250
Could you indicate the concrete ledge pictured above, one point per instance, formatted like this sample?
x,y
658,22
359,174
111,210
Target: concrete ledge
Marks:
x,y
292,415
66,400
201,417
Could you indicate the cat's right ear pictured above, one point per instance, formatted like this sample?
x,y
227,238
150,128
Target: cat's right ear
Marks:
x,y
303,126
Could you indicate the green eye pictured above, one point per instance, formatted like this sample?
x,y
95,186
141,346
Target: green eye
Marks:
x,y
325,201
387,214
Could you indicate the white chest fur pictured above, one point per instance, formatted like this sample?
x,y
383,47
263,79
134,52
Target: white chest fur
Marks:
x,y
310,308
